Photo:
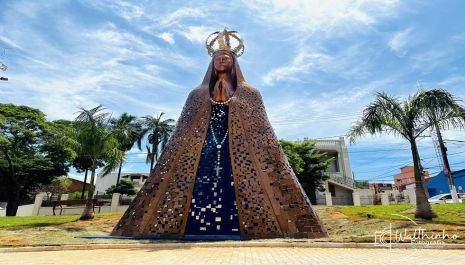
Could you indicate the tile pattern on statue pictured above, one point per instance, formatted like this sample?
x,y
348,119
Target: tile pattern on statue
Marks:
x,y
270,201
161,205
291,206
213,208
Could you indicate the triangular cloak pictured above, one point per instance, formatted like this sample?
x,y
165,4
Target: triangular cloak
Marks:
x,y
270,201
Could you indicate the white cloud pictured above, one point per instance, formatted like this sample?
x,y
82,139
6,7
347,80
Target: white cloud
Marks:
x,y
428,61
459,38
98,65
174,21
110,36
175,17
197,33
311,16
168,37
309,63
9,42
127,10
304,62
456,81
399,41
332,112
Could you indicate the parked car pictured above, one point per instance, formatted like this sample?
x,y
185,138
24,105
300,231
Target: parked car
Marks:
x,y
438,199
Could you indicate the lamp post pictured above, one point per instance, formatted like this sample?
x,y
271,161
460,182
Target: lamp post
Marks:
x,y
3,67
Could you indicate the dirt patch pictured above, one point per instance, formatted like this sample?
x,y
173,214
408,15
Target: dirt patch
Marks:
x,y
103,223
335,214
14,241
340,229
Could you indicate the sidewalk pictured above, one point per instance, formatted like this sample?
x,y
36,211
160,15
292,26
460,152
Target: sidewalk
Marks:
x,y
305,244
237,255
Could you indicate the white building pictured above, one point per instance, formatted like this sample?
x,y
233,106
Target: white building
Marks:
x,y
103,183
339,187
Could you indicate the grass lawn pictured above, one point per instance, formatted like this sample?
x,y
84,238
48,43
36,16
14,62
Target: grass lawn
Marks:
x,y
344,224
18,222
55,230
447,213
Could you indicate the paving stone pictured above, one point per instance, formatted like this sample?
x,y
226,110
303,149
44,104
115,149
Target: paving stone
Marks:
x,y
237,255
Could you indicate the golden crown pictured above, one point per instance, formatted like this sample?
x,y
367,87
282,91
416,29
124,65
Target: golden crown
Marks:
x,y
225,40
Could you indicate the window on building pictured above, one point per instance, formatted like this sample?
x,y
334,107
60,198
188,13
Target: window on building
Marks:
x,y
332,190
334,165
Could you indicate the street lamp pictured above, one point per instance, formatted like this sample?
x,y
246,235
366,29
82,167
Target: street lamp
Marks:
x,y
3,67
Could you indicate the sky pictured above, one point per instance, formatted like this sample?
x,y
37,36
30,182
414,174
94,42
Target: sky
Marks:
x,y
317,64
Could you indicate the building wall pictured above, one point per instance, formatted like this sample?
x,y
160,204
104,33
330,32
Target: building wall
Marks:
x,y
338,149
339,172
76,186
103,183
23,210
341,196
406,177
366,196
379,187
439,183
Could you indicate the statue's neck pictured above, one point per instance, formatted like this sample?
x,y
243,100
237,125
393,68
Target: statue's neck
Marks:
x,y
224,76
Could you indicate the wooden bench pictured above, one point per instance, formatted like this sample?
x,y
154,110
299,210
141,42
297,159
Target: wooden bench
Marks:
x,y
68,203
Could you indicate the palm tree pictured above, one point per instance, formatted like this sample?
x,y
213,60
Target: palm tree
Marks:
x,y
443,111
159,132
389,115
128,131
82,164
97,142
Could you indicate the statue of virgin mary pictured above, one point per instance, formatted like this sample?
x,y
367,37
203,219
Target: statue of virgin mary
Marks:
x,y
223,172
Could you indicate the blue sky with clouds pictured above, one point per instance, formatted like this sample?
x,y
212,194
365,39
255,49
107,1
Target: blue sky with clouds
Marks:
x,y
316,63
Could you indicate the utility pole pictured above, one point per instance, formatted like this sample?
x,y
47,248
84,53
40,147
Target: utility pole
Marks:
x,y
445,163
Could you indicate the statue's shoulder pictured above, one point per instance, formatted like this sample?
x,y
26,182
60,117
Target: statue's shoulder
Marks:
x,y
249,88
197,92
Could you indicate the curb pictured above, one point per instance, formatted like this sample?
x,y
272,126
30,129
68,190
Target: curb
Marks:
x,y
230,245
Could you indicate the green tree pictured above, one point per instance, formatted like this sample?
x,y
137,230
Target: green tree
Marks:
x,y
123,187
308,164
443,111
387,114
97,142
362,184
33,151
159,132
81,162
128,131
58,186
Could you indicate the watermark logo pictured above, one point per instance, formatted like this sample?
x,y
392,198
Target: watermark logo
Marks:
x,y
418,237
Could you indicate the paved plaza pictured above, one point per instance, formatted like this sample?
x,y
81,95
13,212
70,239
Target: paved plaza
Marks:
x,y
237,255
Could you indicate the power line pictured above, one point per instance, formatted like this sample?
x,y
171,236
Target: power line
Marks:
x,y
409,171
316,117
309,120
409,162
350,152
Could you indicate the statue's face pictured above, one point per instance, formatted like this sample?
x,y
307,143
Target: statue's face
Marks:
x,y
223,61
